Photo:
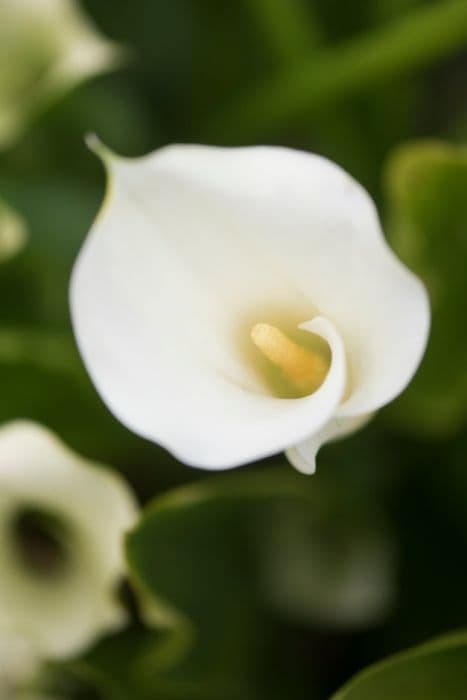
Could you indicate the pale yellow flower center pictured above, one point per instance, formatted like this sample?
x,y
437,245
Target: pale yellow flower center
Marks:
x,y
301,369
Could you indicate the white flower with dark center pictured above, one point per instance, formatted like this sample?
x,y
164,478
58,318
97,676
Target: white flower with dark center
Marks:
x,y
62,520
232,303
46,48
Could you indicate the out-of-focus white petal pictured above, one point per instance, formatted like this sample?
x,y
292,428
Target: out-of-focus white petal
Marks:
x,y
19,664
61,610
195,245
12,232
46,48
20,668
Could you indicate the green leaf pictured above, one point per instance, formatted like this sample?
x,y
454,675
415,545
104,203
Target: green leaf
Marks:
x,y
434,671
216,561
112,667
427,196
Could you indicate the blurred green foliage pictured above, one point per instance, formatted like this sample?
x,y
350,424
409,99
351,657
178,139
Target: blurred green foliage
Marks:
x,y
215,558
12,232
426,187
432,671
248,573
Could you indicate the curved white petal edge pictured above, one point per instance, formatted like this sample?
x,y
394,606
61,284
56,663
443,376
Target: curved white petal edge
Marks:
x,y
59,610
303,455
196,244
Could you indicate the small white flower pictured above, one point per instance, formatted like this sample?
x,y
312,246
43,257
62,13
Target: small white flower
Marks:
x,y
232,303
46,48
12,232
62,519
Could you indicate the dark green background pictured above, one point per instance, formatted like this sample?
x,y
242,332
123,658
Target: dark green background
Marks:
x,y
359,82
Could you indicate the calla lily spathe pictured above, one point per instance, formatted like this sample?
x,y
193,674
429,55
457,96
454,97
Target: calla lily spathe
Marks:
x,y
46,48
233,303
62,521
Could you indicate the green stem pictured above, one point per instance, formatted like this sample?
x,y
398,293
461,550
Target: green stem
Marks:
x,y
387,53
288,26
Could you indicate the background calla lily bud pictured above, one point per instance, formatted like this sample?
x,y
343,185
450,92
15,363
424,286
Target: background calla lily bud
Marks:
x,y
12,232
46,48
62,519
233,303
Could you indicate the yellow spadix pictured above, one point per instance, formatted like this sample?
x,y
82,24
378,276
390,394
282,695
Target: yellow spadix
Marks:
x,y
303,369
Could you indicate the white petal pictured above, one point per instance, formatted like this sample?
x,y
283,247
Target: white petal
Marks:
x,y
61,613
19,662
322,228
195,245
160,377
303,455
83,51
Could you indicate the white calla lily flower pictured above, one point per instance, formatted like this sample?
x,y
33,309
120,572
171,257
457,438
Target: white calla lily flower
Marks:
x,y
233,303
46,48
62,521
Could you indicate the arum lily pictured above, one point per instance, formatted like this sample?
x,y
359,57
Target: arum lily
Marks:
x,y
46,48
12,232
232,303
61,525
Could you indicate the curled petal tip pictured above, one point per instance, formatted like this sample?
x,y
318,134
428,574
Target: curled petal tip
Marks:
x,y
305,465
92,141
95,145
